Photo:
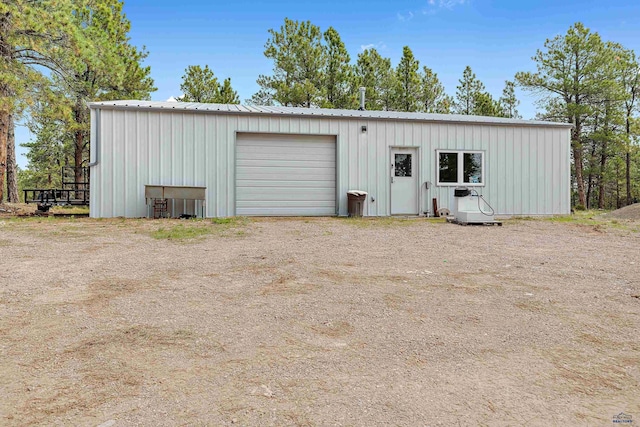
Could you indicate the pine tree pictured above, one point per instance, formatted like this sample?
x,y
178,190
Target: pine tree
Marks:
x,y
508,101
298,57
467,92
567,80
407,94
485,105
433,96
114,73
199,85
227,94
31,35
375,74
629,78
339,88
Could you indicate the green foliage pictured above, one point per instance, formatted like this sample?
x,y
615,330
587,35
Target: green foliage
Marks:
x,y
376,75
299,59
227,94
509,102
485,105
312,69
201,85
104,66
433,97
407,95
567,77
467,92
32,36
338,83
593,84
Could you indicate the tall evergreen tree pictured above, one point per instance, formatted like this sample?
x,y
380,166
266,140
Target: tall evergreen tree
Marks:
x,y
433,97
199,85
485,105
32,33
298,60
467,92
376,74
567,80
227,94
407,94
339,88
115,72
508,101
630,81
107,67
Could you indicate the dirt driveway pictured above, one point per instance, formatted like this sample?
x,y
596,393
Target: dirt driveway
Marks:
x,y
318,322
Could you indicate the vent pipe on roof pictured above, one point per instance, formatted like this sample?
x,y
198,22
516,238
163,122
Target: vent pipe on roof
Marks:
x,y
362,91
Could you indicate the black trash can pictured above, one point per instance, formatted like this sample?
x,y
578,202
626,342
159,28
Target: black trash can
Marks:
x,y
356,200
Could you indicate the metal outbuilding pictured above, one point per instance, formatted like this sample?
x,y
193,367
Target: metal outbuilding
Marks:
x,y
300,161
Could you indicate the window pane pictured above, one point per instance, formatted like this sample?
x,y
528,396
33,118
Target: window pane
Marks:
x,y
403,164
473,168
449,167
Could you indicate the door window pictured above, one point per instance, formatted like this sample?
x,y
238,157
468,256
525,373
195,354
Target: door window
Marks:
x,y
403,165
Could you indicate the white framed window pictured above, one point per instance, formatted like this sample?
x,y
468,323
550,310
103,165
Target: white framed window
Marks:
x,y
460,167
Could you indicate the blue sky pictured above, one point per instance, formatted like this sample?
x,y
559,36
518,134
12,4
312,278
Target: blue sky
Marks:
x,y
496,38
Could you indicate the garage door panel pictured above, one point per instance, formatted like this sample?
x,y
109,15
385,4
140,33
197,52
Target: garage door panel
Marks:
x,y
311,183
300,155
287,203
284,141
299,211
292,194
285,175
311,163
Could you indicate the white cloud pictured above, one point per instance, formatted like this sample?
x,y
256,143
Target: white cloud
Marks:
x,y
433,6
450,4
377,46
407,17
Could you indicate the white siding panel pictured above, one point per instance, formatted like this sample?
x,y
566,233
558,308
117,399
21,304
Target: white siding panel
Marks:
x,y
527,169
285,174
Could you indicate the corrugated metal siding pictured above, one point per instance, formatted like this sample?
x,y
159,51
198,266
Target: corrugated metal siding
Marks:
x,y
526,168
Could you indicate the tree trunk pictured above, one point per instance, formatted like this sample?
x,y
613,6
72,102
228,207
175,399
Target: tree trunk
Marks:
x,y
4,136
628,173
12,168
588,195
576,145
628,162
617,186
78,150
603,162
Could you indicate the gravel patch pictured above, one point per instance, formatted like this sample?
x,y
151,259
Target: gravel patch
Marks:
x,y
322,321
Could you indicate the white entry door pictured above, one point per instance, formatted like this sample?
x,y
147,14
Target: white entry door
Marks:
x,y
404,181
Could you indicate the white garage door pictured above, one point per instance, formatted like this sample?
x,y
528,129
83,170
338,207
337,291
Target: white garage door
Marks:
x,y
285,175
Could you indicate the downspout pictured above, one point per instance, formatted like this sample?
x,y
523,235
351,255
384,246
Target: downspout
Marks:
x,y
95,141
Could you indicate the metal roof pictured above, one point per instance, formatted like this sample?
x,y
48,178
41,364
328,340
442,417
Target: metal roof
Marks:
x,y
316,112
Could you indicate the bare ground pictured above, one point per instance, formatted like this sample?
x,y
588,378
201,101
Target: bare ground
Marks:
x,y
318,322
631,212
